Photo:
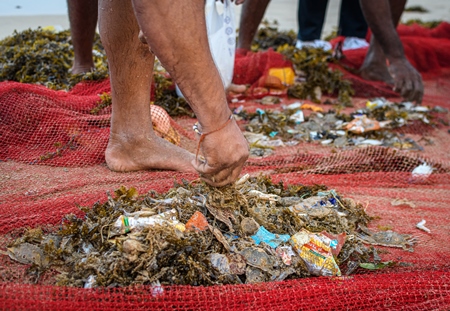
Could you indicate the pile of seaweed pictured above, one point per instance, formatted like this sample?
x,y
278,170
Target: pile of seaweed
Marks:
x,y
269,36
427,24
248,232
45,57
315,77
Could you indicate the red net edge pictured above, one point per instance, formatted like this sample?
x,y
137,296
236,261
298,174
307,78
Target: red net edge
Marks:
x,y
426,290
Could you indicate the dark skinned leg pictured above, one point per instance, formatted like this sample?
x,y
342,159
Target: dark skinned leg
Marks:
x,y
251,16
374,67
133,144
83,21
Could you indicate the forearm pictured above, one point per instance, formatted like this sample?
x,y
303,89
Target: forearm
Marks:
x,y
382,21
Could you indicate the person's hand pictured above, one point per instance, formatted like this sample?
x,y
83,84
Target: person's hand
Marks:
x,y
407,80
224,154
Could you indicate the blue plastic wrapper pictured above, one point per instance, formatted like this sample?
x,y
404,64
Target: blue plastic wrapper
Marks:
x,y
269,238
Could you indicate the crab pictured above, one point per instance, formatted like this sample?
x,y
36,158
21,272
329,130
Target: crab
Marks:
x,y
249,226
27,253
254,275
386,238
258,258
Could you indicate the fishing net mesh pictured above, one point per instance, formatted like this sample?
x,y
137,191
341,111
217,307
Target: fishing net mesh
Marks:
x,y
52,162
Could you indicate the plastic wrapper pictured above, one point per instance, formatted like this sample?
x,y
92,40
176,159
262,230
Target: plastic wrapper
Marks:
x,y
197,222
315,250
312,107
376,103
285,253
297,117
286,75
423,170
421,226
90,282
337,241
263,235
125,224
362,124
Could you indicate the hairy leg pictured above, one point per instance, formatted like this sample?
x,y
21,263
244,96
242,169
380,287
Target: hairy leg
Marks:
x,y
133,144
176,32
83,21
374,67
251,16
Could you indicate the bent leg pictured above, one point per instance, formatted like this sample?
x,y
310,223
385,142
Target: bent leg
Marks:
x,y
176,32
83,21
133,144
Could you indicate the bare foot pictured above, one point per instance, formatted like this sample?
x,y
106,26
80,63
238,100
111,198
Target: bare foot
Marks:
x,y
77,69
374,67
376,72
126,154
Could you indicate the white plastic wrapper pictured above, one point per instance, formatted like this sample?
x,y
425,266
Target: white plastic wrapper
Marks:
x,y
125,224
423,170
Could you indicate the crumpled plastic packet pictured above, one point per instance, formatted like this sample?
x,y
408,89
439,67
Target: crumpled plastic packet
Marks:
x,y
361,124
125,224
263,235
315,250
285,253
197,222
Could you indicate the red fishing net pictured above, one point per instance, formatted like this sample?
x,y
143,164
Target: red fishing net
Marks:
x,y
52,161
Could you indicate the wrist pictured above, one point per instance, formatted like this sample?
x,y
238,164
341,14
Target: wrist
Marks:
x,y
211,121
397,61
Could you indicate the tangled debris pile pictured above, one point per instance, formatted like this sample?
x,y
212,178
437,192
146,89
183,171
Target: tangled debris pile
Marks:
x,y
252,231
373,125
312,71
314,77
